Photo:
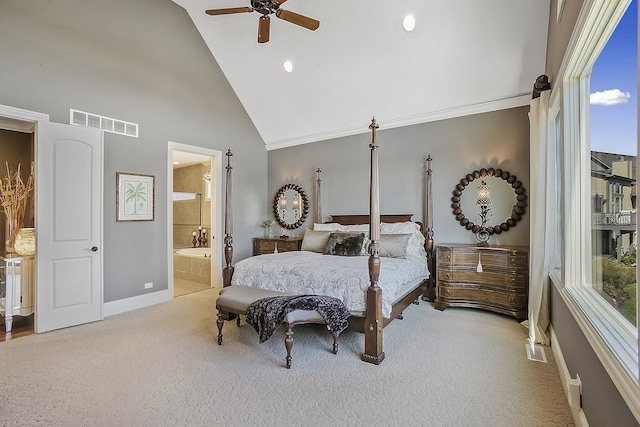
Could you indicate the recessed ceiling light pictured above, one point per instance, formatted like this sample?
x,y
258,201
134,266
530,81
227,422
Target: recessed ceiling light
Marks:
x,y
288,66
409,23
176,163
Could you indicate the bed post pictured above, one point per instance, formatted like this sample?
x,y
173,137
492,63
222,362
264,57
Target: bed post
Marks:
x,y
318,197
374,323
227,272
430,293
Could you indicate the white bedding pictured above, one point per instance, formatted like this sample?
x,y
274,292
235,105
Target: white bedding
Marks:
x,y
347,278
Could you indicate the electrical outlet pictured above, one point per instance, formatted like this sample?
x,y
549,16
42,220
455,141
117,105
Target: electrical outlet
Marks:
x,y
148,285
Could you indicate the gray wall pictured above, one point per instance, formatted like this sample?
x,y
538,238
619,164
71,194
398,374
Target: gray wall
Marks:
x,y
458,146
140,61
601,401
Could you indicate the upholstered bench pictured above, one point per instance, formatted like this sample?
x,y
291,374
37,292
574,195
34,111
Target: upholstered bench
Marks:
x,y
235,300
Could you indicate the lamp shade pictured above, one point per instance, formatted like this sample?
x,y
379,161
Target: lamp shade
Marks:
x,y
484,194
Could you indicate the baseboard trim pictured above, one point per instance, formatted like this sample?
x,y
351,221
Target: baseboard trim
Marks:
x,y
133,303
579,418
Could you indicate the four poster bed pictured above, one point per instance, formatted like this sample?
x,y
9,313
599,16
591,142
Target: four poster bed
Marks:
x,y
375,292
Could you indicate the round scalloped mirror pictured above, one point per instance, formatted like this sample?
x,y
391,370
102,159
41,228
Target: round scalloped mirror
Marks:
x,y
290,206
510,201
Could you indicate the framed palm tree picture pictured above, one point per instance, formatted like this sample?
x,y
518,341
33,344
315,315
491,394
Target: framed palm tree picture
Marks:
x,y
134,197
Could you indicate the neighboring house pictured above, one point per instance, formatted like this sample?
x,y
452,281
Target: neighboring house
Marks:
x,y
613,192
145,62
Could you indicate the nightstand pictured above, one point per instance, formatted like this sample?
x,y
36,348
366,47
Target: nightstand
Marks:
x,y
502,285
267,245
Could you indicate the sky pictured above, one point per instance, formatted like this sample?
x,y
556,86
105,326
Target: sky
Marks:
x,y
614,89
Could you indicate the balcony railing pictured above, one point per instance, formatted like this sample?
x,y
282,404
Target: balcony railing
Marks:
x,y
620,218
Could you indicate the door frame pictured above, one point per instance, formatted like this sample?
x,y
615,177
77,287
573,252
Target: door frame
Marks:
x,y
216,213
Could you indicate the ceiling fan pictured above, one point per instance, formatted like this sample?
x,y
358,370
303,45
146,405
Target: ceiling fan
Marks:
x,y
266,8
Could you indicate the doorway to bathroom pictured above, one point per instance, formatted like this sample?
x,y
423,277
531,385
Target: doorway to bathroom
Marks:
x,y
195,217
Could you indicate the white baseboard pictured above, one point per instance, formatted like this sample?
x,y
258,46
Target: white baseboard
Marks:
x,y
133,303
579,417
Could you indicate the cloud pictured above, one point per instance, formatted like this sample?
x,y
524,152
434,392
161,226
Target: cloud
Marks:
x,y
610,97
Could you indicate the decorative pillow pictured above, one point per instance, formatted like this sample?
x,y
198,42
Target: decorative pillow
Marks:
x,y
330,226
315,241
393,245
345,244
415,246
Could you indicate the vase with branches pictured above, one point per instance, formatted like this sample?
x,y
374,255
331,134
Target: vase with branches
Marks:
x,y
14,195
267,226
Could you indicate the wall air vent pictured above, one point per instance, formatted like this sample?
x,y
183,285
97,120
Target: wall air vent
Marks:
x,y
108,124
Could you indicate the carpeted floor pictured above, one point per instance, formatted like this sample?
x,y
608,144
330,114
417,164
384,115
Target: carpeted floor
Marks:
x,y
161,366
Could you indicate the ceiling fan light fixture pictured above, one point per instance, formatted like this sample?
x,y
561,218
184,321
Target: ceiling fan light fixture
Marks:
x,y
409,23
288,66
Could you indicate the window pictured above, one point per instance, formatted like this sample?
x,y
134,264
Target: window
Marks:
x,y
599,161
613,142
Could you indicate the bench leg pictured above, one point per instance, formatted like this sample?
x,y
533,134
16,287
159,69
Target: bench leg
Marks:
x,y
288,343
220,323
335,343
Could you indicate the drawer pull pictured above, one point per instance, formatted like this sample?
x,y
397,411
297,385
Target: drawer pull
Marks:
x,y
446,276
447,294
447,258
512,301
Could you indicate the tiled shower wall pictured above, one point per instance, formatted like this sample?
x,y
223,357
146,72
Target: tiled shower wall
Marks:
x,y
189,214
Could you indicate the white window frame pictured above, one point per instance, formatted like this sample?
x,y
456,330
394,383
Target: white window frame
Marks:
x,y
613,339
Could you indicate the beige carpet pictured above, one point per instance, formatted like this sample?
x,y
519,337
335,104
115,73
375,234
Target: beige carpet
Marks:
x,y
161,366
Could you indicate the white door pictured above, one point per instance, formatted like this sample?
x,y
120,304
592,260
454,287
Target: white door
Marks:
x,y
68,226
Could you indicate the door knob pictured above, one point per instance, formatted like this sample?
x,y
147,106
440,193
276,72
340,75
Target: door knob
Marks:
x,y
92,249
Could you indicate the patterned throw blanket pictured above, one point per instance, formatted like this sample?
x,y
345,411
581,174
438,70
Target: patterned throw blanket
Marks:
x,y
267,314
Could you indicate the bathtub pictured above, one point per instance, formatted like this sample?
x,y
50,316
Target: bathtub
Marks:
x,y
193,264
195,252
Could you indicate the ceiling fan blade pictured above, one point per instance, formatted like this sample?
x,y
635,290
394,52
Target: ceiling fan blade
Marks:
x,y
228,11
263,29
279,2
294,18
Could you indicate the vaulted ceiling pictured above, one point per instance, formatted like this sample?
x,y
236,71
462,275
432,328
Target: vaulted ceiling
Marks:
x,y
463,57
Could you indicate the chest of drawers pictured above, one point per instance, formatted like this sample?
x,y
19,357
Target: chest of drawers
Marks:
x,y
267,245
501,286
